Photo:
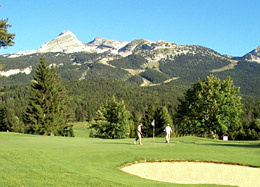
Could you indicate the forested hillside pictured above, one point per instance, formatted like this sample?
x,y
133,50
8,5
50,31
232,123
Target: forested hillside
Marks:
x,y
148,76
183,69
87,96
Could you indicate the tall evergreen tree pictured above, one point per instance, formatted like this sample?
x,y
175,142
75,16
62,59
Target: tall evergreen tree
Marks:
x,y
162,118
210,107
9,121
46,112
60,114
4,126
147,119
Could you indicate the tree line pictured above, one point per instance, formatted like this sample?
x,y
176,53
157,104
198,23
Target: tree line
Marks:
x,y
209,108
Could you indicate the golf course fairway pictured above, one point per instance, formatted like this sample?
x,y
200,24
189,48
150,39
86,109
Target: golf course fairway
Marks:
x,y
31,160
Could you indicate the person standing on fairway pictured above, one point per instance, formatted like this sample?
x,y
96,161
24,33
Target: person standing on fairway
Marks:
x,y
168,131
139,134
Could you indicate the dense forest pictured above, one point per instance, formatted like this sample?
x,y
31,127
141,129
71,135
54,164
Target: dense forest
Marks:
x,y
90,84
87,96
186,69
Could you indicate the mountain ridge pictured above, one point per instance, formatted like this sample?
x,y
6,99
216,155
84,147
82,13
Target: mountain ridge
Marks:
x,y
142,62
253,55
67,42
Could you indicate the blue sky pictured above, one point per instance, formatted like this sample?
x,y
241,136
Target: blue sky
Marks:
x,y
226,26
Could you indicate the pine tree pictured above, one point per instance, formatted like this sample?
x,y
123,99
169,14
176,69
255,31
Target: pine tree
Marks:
x,y
6,39
4,125
59,112
46,112
162,118
147,119
112,120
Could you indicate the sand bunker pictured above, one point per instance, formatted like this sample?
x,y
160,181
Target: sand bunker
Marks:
x,y
197,173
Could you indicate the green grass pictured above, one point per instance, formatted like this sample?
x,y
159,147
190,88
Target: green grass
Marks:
x,y
81,129
30,160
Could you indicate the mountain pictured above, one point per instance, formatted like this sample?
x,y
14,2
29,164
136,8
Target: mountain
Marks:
x,y
101,45
142,62
253,56
67,42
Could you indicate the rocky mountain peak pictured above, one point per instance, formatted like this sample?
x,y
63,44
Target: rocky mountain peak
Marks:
x,y
98,41
153,51
254,55
257,50
66,42
101,45
66,32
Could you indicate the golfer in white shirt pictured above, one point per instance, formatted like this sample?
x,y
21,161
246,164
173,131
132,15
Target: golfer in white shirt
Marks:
x,y
139,134
168,131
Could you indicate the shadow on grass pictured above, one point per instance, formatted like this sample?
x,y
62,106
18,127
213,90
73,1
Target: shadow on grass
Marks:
x,y
162,142
115,143
132,143
233,145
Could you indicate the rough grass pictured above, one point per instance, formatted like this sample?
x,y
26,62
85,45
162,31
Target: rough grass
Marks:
x,y
30,160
